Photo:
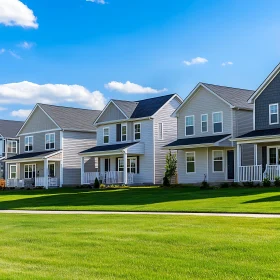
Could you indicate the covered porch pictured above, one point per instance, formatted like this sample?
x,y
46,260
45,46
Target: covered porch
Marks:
x,y
117,164
30,170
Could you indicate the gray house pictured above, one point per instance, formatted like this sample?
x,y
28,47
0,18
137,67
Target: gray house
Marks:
x,y
130,137
50,141
9,143
207,120
265,135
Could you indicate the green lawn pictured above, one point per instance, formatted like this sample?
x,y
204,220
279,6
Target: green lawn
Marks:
x,y
138,247
254,200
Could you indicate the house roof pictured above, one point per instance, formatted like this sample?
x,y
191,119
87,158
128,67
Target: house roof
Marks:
x,y
68,118
260,133
127,107
198,140
33,155
106,148
9,129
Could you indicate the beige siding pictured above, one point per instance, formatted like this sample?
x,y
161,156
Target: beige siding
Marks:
x,y
111,113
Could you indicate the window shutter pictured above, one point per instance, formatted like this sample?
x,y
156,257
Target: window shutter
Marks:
x,y
117,164
264,158
119,131
138,165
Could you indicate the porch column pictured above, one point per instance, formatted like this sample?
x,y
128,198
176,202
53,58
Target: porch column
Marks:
x,y
238,159
61,174
125,167
46,173
82,170
6,171
255,154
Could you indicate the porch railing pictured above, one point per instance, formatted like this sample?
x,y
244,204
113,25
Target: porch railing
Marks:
x,y
110,177
252,173
37,182
271,172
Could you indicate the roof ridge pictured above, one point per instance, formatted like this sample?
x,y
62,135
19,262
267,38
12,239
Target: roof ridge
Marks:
x,y
157,97
68,107
227,86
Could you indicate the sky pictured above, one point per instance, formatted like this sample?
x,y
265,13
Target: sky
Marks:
x,y
82,53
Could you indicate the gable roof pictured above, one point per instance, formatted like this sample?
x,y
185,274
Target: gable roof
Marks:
x,y
9,129
234,97
127,107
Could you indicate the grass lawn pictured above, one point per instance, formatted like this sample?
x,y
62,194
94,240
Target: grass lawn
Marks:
x,y
138,247
253,200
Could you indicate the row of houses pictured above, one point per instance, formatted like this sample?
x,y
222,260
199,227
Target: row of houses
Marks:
x,y
218,133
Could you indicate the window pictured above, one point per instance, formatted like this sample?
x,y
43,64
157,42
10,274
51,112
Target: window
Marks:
x,y
137,131
124,132
160,131
189,125
218,122
204,123
51,167
131,164
106,132
50,141
29,171
273,155
273,114
190,162
13,172
28,143
11,146
218,161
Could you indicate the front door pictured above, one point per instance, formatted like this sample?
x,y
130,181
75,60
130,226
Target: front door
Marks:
x,y
230,164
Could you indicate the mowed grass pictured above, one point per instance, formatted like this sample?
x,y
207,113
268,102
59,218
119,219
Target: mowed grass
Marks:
x,y
252,200
138,247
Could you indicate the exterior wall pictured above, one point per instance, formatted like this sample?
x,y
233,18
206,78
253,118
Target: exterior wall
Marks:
x,y
39,121
204,102
242,122
112,113
73,143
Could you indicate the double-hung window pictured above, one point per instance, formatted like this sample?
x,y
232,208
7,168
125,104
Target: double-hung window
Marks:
x,y
137,131
11,147
50,141
28,143
131,165
204,123
218,161
190,162
189,125
273,114
124,132
106,132
13,172
51,168
217,122
29,171
160,131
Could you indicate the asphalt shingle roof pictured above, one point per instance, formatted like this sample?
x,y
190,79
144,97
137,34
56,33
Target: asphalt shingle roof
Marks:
x,y
72,118
127,107
235,96
33,155
9,129
259,133
108,148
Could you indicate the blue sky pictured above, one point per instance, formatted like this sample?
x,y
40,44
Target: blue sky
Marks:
x,y
53,45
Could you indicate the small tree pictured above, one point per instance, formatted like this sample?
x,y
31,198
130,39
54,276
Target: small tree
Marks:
x,y
170,168
96,184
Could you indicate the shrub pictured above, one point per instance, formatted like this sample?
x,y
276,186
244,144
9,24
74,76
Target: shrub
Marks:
x,y
224,185
170,167
96,184
235,185
266,182
205,185
249,184
166,182
277,182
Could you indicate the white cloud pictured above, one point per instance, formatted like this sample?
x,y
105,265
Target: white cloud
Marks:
x,y
129,87
26,45
97,1
2,51
3,109
15,13
227,63
197,60
21,113
29,93
12,53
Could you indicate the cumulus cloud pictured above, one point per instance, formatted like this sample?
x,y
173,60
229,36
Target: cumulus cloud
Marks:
x,y
97,1
227,63
15,13
197,60
29,93
129,87
26,45
21,113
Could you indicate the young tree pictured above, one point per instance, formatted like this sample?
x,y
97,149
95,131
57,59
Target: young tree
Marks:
x,y
170,168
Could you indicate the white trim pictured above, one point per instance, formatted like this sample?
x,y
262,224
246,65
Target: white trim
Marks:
x,y
29,136
12,141
12,165
126,120
52,133
61,162
270,114
124,125
51,163
107,127
160,136
190,125
254,117
204,122
277,147
213,161
41,131
186,157
213,123
53,154
207,164
137,132
131,157
154,153
30,164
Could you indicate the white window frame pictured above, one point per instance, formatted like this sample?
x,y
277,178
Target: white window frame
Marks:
x,y
33,168
49,134
10,171
270,105
104,128
220,112
128,167
123,125
204,122
186,155
11,141
51,163
213,161
160,135
189,125
137,132
29,137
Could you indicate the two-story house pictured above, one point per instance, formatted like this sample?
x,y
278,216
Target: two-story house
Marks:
x,y
265,135
208,118
50,141
130,137
9,142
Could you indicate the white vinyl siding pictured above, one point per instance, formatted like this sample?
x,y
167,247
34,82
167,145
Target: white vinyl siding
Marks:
x,y
50,141
218,122
160,131
28,143
204,123
273,114
189,126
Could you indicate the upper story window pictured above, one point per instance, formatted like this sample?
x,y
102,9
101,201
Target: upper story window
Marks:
x,y
137,131
50,141
273,114
12,146
160,131
124,132
28,143
204,123
106,137
189,125
217,122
